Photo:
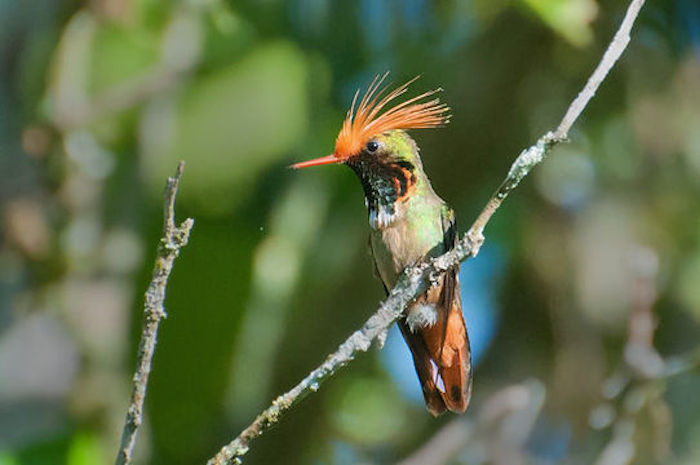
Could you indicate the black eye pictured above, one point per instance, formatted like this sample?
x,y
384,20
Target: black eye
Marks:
x,y
372,146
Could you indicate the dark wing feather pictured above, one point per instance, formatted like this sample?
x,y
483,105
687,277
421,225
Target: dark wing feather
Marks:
x,y
453,353
441,353
376,267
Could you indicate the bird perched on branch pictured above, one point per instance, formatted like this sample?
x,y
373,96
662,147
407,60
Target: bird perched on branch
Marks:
x,y
409,222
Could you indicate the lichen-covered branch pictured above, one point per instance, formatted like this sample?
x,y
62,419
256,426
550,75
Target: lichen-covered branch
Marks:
x,y
534,155
416,280
413,282
174,238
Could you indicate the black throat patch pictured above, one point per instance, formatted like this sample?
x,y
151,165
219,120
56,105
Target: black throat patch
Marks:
x,y
384,182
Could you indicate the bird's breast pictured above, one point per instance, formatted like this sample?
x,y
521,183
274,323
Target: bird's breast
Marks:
x,y
409,238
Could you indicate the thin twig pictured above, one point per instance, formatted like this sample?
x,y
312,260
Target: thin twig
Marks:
x,y
499,432
174,237
681,364
416,280
118,98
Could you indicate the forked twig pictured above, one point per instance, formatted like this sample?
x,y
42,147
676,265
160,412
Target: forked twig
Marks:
x,y
174,238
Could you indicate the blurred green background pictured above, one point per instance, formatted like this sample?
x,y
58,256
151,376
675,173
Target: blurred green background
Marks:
x,y
595,256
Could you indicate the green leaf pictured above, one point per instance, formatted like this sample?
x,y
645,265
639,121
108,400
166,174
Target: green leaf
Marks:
x,y
233,123
571,19
85,449
6,458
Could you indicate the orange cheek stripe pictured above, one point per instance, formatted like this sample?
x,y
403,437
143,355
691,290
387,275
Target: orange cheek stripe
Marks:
x,y
410,183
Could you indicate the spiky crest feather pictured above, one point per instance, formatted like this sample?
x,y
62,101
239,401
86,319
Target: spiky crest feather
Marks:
x,y
359,126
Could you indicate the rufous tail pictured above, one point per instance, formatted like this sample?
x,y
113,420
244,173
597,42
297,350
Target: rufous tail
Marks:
x,y
442,356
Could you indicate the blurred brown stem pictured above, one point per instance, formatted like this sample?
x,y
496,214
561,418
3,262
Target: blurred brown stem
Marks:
x,y
118,98
499,432
174,238
416,280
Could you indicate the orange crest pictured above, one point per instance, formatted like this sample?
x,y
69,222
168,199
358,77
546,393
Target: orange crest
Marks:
x,y
366,122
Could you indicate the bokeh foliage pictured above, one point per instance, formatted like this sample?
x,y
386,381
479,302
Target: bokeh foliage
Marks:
x,y
100,99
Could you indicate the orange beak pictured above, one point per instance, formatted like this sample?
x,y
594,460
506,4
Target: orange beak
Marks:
x,y
327,160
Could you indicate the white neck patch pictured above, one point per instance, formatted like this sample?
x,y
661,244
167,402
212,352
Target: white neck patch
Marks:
x,y
381,217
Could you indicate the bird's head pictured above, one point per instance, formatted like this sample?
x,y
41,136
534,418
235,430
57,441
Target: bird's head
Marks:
x,y
373,134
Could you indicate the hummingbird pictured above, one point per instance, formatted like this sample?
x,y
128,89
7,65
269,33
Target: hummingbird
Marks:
x,y
408,223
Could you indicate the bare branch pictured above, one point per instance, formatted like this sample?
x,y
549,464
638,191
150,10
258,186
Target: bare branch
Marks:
x,y
518,406
612,54
416,280
174,238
